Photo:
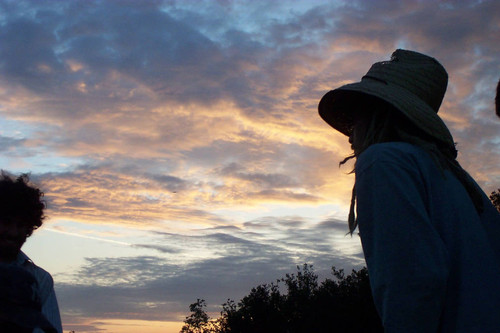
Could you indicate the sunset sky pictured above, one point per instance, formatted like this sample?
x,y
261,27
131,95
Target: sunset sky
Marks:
x,y
179,145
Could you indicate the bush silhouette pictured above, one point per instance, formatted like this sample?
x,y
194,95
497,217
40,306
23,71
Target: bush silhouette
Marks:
x,y
342,304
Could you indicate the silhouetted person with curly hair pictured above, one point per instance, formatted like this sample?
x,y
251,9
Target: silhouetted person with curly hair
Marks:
x,y
27,299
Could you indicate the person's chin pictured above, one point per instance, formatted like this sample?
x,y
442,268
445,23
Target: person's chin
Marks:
x,y
355,149
9,251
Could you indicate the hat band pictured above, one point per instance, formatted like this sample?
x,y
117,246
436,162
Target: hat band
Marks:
x,y
375,78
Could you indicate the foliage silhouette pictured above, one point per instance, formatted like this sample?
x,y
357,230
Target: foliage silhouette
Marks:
x,y
495,199
343,304
199,321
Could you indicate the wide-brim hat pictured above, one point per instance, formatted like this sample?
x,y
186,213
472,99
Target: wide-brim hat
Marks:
x,y
411,82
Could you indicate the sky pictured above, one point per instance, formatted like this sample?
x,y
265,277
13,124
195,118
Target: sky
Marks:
x,y
179,146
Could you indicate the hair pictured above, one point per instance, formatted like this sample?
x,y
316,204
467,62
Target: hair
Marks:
x,y
21,200
387,124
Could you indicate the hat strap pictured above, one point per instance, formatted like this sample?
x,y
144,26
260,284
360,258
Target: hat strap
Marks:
x,y
352,220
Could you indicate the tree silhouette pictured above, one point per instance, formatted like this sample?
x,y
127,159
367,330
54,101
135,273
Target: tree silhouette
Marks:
x,y
342,304
199,321
495,199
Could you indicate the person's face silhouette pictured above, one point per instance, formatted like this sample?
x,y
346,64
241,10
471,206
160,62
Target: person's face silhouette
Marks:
x,y
13,234
360,127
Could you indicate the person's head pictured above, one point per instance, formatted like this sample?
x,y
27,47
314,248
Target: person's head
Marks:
x,y
376,121
21,212
403,93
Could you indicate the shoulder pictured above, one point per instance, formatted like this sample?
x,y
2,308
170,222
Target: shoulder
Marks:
x,y
400,153
391,150
42,276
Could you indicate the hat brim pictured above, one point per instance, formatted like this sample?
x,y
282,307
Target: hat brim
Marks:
x,y
338,106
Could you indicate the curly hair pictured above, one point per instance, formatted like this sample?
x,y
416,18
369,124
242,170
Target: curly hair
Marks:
x,y
21,200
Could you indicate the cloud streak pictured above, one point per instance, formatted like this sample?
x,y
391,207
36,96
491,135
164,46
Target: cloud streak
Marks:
x,y
158,287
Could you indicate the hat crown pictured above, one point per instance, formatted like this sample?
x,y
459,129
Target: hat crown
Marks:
x,y
419,74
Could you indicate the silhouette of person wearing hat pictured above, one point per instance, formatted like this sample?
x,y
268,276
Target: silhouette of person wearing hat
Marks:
x,y
430,236
27,299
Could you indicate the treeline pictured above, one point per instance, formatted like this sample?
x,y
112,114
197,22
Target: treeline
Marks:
x,y
343,303
495,199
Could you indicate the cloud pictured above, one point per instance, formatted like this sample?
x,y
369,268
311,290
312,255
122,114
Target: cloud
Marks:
x,y
218,109
159,248
8,144
127,84
100,194
121,287
198,120
267,180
